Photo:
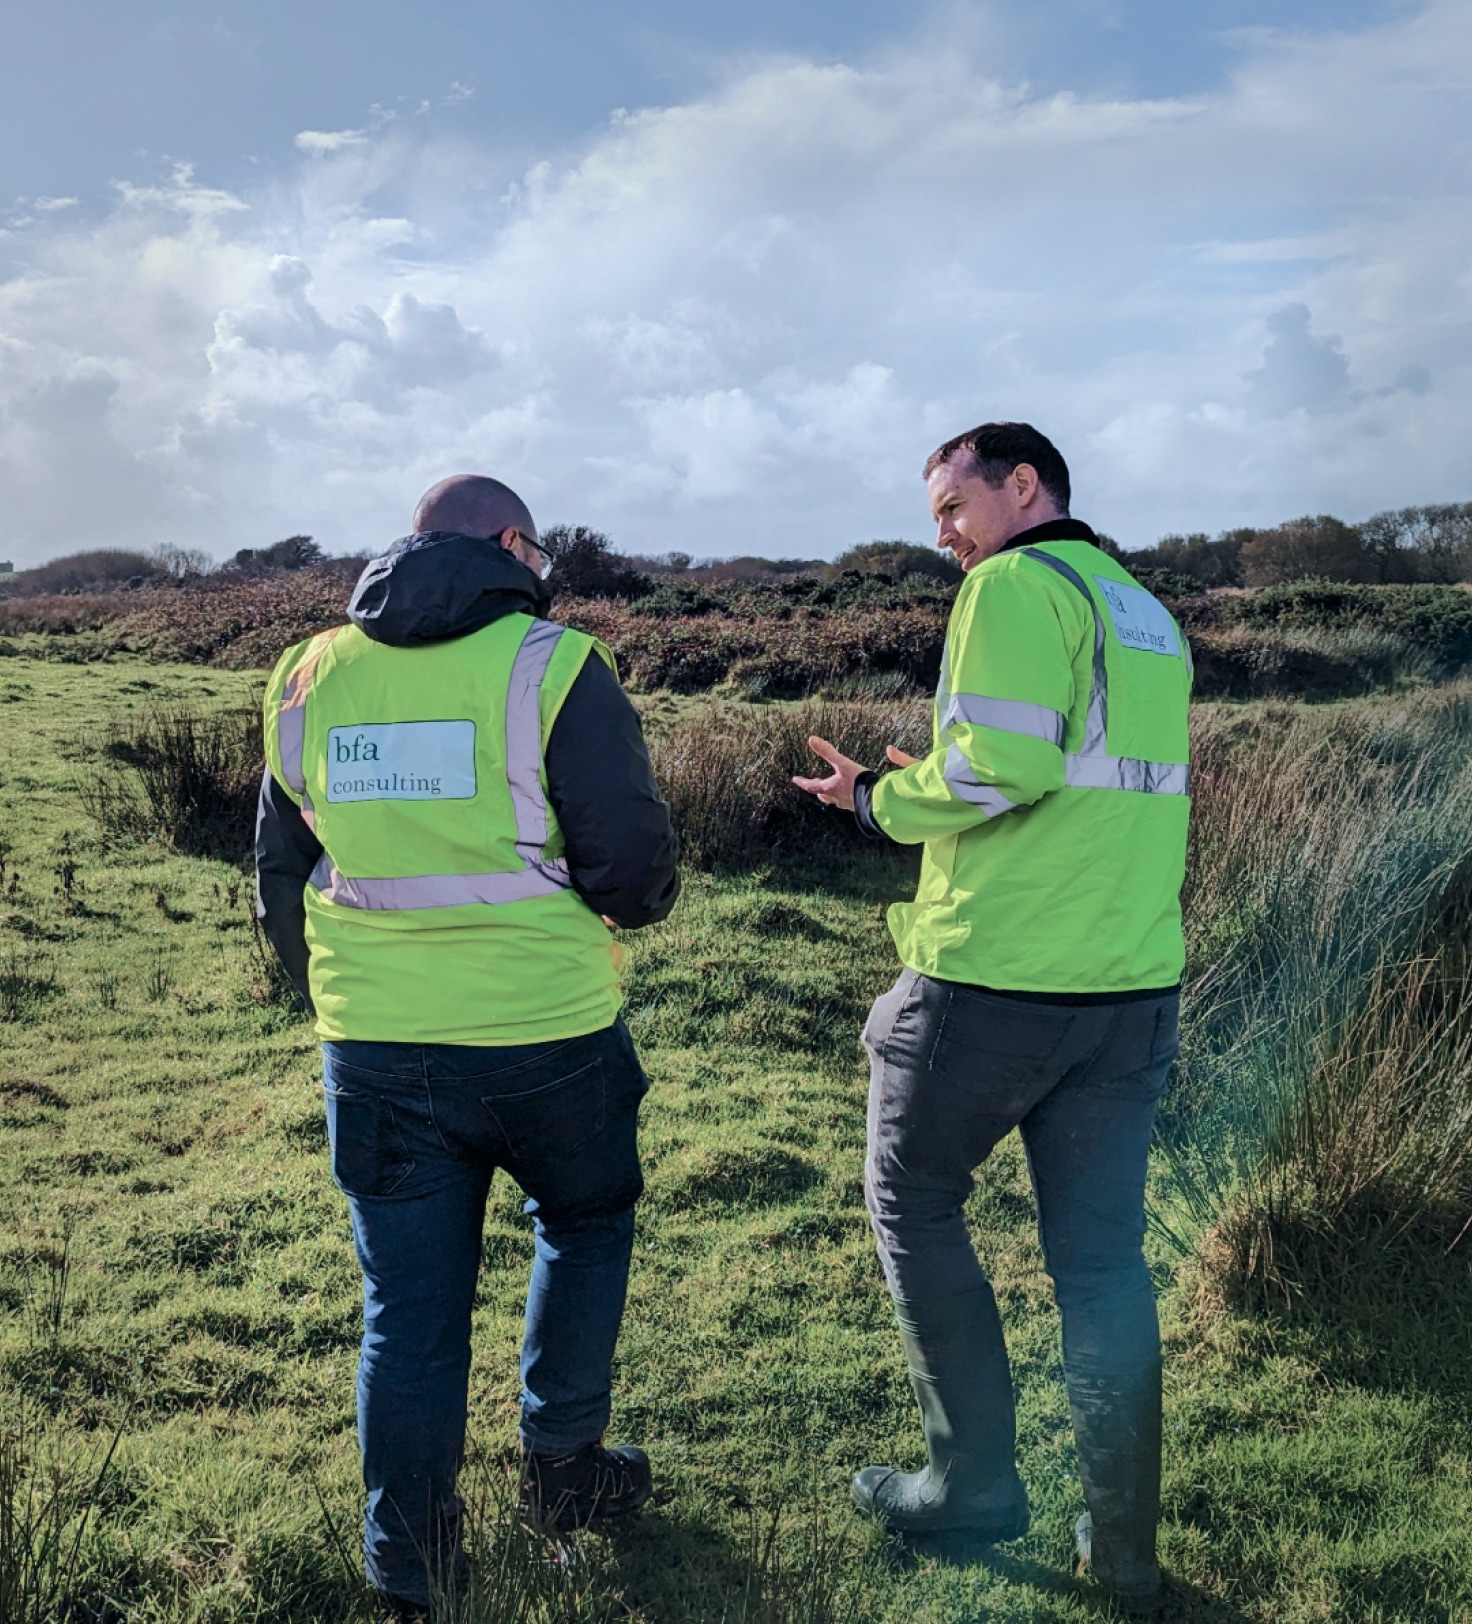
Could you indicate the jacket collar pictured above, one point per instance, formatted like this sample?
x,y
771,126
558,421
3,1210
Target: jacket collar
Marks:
x,y
1051,530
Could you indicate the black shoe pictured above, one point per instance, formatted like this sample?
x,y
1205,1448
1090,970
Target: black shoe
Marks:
x,y
395,1610
561,1492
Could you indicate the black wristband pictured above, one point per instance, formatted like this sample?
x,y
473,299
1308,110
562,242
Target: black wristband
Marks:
x,y
864,805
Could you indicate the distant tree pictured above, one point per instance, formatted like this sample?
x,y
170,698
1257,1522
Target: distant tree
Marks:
x,y
585,565
1323,547
1421,543
182,563
1208,562
294,553
895,560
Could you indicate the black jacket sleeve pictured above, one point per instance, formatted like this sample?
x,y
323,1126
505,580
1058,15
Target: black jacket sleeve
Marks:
x,y
621,846
286,853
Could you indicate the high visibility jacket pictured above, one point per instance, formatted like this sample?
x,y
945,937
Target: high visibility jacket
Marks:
x,y
1053,806
441,910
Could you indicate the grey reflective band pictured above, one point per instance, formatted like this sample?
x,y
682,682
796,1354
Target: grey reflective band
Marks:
x,y
524,738
1127,772
437,890
537,877
1093,767
961,779
1007,716
291,729
1096,723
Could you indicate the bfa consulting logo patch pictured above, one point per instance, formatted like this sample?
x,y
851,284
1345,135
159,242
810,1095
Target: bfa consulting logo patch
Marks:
x,y
1140,621
401,761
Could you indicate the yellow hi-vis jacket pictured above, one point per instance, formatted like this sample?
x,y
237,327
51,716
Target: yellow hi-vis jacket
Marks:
x,y
441,910
1054,804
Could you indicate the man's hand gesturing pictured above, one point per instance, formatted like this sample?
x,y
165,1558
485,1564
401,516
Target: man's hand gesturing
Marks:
x,y
838,788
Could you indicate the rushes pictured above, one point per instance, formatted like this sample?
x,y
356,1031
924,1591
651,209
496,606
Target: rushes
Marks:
x,y
1325,1083
48,1490
185,777
26,978
728,771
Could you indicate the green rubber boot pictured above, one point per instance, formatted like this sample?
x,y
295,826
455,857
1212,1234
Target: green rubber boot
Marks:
x,y
1116,1425
958,1367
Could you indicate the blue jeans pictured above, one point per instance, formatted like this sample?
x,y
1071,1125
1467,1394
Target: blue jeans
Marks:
x,y
417,1131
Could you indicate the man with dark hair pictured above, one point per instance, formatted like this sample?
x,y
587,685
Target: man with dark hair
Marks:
x,y
995,449
457,805
1042,959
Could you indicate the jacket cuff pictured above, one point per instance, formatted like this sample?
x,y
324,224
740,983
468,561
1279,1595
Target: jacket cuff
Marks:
x,y
864,805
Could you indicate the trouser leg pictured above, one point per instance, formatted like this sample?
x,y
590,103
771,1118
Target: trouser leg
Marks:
x,y
574,1306
576,1154
1087,1144
952,1072
419,1260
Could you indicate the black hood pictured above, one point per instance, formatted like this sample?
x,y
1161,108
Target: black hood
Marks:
x,y
436,584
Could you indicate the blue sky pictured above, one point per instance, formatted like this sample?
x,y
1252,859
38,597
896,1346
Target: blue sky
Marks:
x,y
718,279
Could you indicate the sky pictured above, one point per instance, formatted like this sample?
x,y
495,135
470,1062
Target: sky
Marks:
x,y
718,279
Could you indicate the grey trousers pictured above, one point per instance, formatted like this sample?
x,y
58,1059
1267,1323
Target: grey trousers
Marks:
x,y
953,1070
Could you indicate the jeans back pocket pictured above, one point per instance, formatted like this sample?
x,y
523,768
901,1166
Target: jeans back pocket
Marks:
x,y
548,1112
369,1153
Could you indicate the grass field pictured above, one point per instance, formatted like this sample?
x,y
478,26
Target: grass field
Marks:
x,y
176,1269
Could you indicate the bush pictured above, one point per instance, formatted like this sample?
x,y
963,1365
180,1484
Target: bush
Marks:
x,y
1238,663
186,778
894,560
728,775
1436,621
103,570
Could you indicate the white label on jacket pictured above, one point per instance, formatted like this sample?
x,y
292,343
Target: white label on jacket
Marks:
x,y
1140,621
401,761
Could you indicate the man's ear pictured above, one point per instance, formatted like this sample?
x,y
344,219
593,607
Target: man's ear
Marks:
x,y
509,537
1026,483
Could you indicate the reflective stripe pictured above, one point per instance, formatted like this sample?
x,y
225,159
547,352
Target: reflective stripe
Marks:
x,y
291,730
537,877
1093,767
1096,723
291,716
437,890
1007,716
962,780
1127,772
524,738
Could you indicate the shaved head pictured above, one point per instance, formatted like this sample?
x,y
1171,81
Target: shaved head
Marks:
x,y
473,505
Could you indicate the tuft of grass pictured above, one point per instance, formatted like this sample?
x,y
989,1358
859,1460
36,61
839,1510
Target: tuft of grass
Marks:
x,y
1326,1067
27,977
727,772
179,775
49,1489
158,976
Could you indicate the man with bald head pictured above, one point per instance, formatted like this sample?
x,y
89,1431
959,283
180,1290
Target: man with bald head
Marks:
x,y
458,804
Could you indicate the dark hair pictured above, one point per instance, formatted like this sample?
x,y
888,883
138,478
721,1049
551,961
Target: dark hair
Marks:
x,y
997,448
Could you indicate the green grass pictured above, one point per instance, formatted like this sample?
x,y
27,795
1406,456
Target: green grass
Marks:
x,y
175,1261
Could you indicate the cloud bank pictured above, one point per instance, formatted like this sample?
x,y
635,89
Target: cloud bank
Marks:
x,y
740,323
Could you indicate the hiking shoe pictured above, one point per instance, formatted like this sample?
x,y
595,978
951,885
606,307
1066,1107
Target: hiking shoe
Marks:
x,y
562,1492
1144,1596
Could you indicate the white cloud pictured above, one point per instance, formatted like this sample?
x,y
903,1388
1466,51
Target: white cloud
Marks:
x,y
740,323
321,143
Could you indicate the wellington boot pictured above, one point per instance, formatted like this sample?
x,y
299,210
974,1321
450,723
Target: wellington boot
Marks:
x,y
1116,1425
958,1367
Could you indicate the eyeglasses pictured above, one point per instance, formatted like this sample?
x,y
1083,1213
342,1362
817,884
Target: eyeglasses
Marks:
x,y
547,559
